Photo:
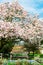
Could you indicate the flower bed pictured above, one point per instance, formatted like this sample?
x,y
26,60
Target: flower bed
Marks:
x,y
21,62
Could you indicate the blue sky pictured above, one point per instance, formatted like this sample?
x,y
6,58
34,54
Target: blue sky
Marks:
x,y
32,6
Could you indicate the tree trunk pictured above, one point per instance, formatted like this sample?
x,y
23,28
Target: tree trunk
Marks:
x,y
33,53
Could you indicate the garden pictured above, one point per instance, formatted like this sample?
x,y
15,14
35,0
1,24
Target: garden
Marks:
x,y
21,36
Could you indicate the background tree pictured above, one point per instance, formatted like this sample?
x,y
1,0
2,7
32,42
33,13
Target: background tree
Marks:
x,y
32,46
6,45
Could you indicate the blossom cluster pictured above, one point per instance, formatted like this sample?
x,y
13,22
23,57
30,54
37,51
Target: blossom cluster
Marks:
x,y
25,30
20,29
11,11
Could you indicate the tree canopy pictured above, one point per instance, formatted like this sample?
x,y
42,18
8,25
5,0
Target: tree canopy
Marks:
x,y
29,30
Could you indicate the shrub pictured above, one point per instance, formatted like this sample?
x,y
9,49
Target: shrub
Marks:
x,y
41,56
18,62
1,61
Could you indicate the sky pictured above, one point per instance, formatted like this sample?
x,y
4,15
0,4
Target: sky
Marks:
x,y
31,6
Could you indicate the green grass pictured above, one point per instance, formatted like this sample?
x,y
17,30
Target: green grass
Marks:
x,y
38,57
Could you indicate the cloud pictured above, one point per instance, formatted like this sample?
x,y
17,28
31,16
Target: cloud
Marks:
x,y
33,6
41,10
30,5
31,10
40,0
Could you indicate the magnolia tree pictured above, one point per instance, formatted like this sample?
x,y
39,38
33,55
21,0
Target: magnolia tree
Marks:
x,y
25,31
19,29
12,12
29,31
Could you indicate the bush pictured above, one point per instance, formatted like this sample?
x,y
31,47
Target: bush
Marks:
x,y
18,54
41,56
35,63
18,62
1,61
